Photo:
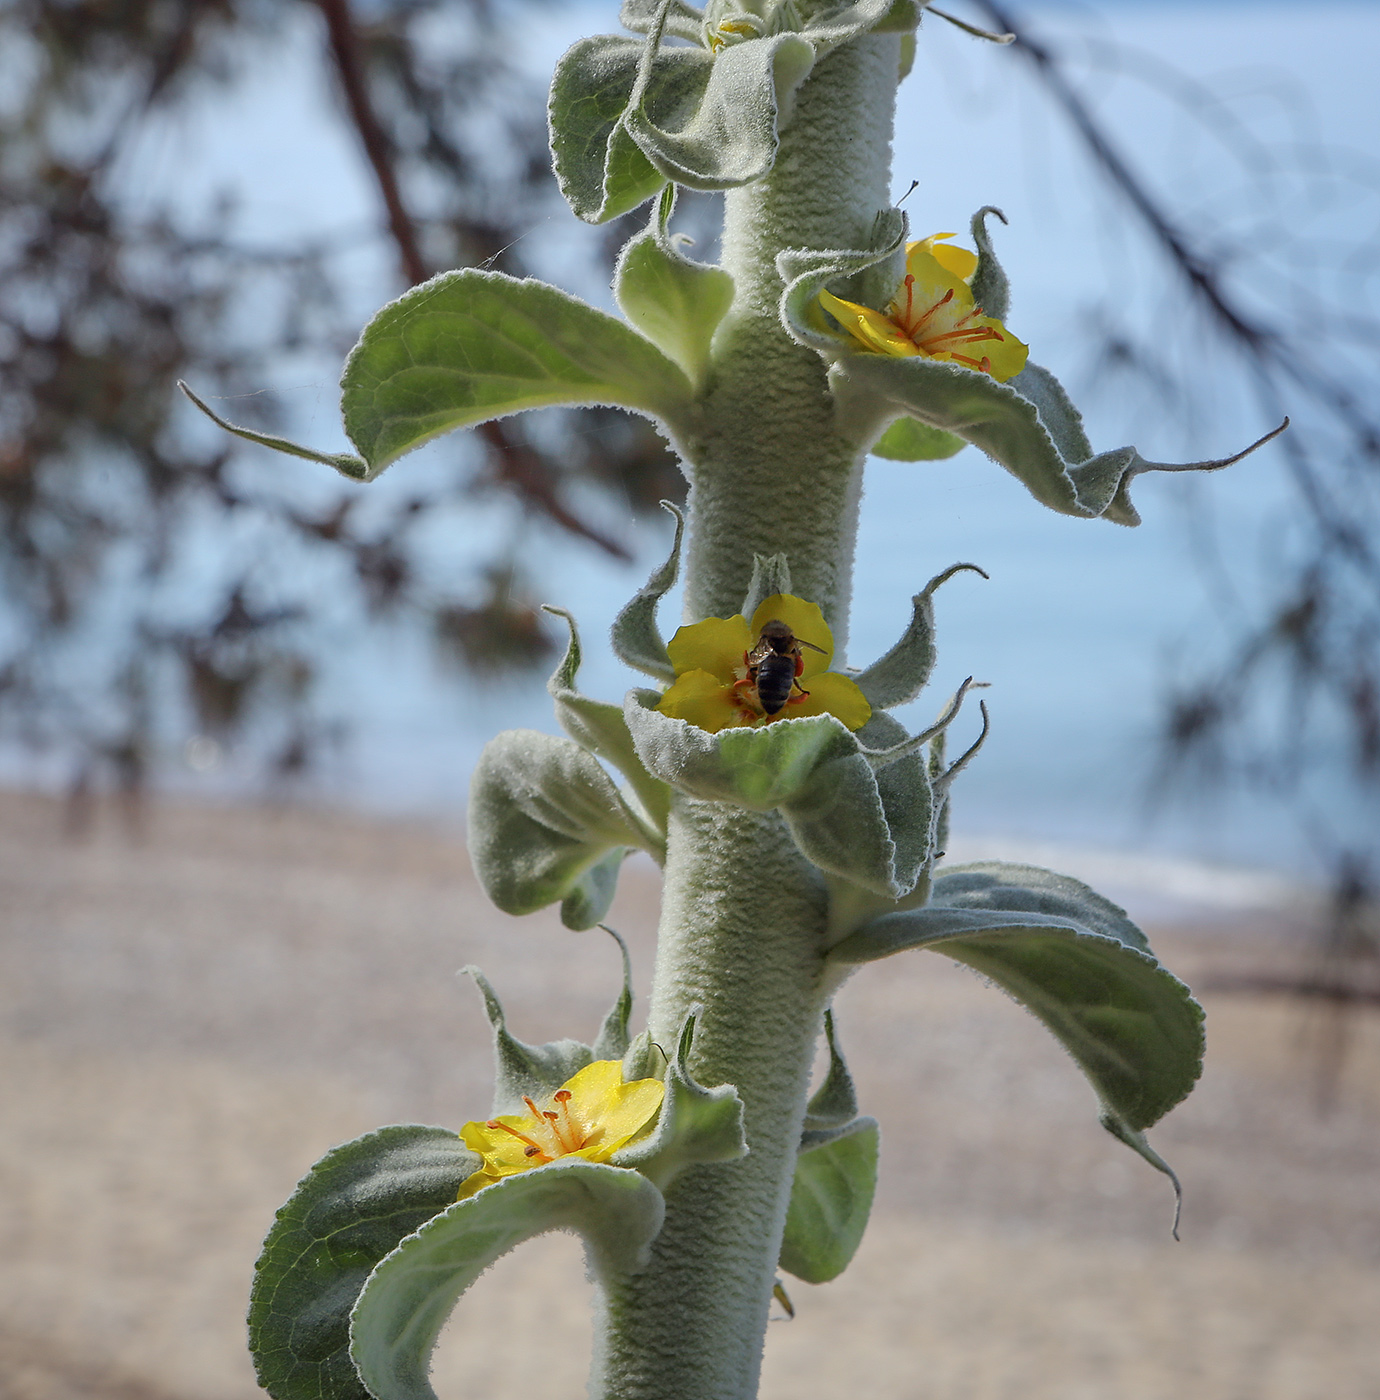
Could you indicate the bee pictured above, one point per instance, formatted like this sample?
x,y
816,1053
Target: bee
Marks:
x,y
774,665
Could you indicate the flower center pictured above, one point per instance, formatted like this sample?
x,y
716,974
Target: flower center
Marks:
x,y
554,1133
934,334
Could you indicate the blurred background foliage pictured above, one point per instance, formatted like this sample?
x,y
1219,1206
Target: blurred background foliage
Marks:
x,y
109,492
105,303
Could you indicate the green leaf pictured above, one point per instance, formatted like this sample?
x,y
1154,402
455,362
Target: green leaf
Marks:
x,y
522,1070
899,676
831,1199
600,169
545,821
1076,962
1006,422
991,290
728,136
696,1125
909,441
636,637
346,1214
412,1292
600,729
675,302
471,345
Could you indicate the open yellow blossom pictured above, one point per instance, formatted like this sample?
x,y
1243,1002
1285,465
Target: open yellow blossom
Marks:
x,y
933,314
591,1115
715,686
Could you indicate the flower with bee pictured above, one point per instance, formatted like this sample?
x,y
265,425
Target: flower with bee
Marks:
x,y
732,673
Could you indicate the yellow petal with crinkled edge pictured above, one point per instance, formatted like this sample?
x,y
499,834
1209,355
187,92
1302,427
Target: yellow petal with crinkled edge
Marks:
x,y
873,330
706,702
609,1109
962,262
831,694
806,621
1006,357
715,645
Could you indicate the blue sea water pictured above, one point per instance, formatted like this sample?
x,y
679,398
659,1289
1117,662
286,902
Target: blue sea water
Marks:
x,y
1083,625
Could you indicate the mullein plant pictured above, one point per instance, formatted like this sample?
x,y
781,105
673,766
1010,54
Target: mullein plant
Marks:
x,y
799,826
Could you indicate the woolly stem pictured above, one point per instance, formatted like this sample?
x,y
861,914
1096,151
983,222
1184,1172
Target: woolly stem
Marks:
x,y
744,914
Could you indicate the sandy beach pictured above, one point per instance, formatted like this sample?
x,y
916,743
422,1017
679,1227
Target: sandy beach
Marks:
x,y
188,1020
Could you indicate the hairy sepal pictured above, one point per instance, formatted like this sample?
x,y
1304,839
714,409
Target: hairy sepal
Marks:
x,y
472,345
601,729
546,823
523,1071
411,1293
636,638
350,1211
696,1125
1077,963
899,676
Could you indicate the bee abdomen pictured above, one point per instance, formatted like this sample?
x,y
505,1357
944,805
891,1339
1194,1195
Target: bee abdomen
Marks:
x,y
775,676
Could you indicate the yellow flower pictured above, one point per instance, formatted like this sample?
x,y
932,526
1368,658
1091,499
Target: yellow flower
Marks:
x,y
590,1116
933,314
715,686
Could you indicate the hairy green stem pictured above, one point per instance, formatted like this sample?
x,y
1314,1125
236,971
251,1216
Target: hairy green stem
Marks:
x,y
744,914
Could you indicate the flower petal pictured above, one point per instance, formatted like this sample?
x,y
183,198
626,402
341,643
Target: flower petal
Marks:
x,y
831,694
705,701
503,1154
806,621
960,261
715,645
870,328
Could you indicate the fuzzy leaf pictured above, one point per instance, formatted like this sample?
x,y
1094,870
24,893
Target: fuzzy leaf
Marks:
x,y
636,637
683,21
839,823
600,729
412,1292
600,169
471,345
348,1212
545,821
909,441
1009,427
1076,962
831,1199
675,302
346,463
696,1125
834,1105
759,769
728,136
899,676
870,273
613,1041
771,574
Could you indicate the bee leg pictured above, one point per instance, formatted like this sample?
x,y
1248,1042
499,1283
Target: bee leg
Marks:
x,y
796,699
